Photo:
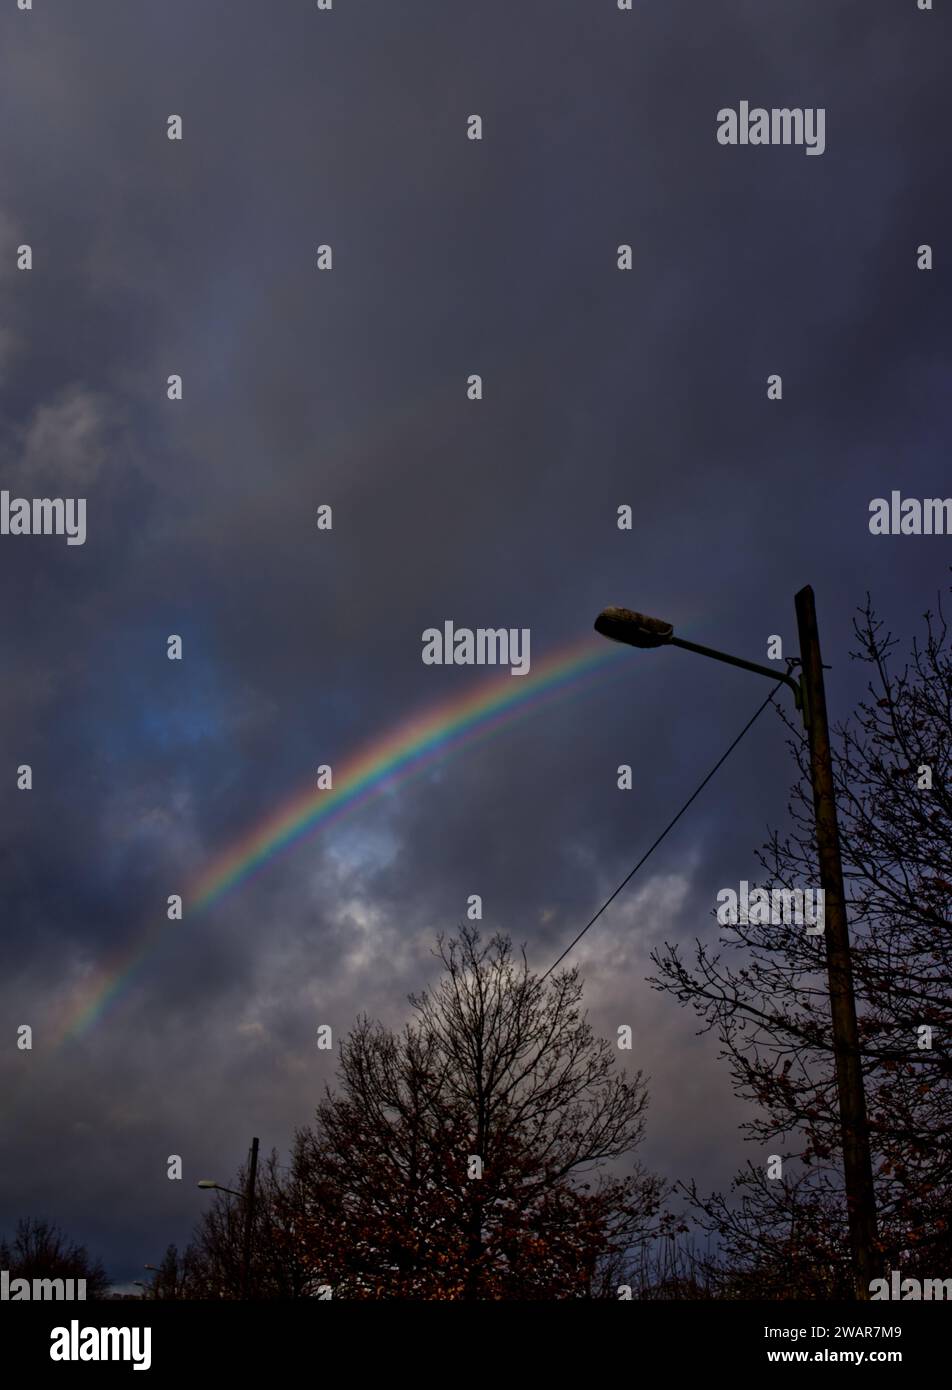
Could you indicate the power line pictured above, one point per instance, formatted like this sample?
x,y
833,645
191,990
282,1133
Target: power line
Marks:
x,y
671,823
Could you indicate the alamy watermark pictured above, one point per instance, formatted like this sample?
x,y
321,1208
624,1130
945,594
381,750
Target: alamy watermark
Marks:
x,y
75,1343
43,516
907,516
909,1290
781,125
40,1290
779,907
482,646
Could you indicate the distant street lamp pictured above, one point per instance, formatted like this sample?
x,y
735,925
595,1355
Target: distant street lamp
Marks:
x,y
248,1197
209,1183
637,630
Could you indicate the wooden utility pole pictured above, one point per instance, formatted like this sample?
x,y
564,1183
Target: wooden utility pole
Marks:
x,y
250,1191
857,1162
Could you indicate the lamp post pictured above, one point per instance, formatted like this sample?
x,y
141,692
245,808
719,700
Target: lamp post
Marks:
x,y
248,1197
624,625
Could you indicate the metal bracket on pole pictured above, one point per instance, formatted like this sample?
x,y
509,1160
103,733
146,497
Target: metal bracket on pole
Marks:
x,y
798,687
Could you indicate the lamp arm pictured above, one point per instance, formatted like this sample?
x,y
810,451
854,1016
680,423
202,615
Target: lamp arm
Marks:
x,y
746,666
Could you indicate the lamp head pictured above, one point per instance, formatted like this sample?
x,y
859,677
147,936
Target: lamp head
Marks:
x,y
638,630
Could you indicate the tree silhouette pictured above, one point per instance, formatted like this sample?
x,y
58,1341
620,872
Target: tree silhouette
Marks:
x,y
464,1157
40,1250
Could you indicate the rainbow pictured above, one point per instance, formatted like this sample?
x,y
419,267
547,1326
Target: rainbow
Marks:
x,y
406,751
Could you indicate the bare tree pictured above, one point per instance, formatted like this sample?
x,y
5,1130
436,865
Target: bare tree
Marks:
x,y
40,1250
467,1156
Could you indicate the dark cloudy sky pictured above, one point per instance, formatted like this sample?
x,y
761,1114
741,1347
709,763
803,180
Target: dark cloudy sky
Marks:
x,y
349,387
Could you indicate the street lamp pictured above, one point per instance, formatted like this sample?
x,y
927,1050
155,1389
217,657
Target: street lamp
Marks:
x,y
637,630
248,1197
625,625
209,1183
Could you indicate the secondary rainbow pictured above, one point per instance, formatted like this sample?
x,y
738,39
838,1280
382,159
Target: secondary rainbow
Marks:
x,y
407,750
